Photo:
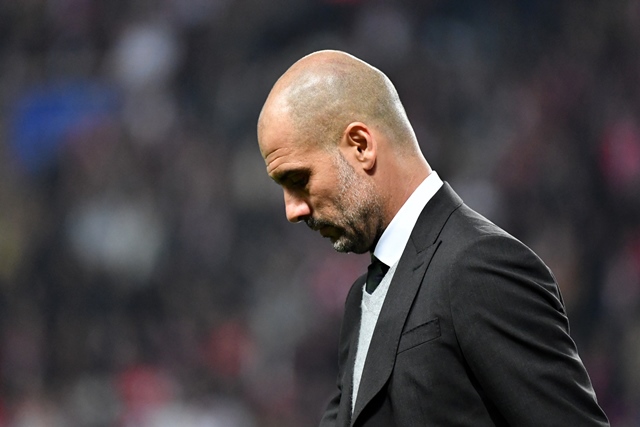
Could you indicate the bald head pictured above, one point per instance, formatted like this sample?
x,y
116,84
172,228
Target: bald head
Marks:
x,y
336,138
325,91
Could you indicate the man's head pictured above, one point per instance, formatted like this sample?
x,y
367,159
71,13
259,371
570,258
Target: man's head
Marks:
x,y
335,136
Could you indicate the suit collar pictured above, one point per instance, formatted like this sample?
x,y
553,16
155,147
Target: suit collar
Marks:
x,y
394,239
406,281
434,216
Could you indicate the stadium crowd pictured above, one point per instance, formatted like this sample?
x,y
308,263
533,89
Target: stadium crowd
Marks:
x,y
148,276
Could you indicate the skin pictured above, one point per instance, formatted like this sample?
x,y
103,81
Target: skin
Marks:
x,y
335,137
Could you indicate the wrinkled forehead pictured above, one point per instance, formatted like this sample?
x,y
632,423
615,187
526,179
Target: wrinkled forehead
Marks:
x,y
275,133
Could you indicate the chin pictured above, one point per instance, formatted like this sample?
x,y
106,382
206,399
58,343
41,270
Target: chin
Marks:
x,y
344,245
340,245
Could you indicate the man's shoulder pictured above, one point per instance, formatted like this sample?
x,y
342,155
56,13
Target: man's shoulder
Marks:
x,y
468,224
447,217
469,235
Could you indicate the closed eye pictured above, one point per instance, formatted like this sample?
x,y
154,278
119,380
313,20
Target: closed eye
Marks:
x,y
298,180
294,179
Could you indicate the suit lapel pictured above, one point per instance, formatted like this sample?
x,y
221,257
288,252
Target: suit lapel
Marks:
x,y
402,291
352,317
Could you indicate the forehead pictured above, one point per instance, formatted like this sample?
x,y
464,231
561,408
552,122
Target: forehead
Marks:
x,y
285,154
276,137
274,125
286,147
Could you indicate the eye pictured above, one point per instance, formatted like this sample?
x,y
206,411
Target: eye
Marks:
x,y
298,180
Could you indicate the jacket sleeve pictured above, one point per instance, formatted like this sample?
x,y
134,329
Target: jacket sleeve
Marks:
x,y
350,326
331,413
512,329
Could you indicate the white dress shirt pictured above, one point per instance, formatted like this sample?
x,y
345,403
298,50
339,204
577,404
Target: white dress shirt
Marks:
x,y
394,239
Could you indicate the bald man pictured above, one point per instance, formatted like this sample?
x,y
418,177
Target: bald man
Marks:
x,y
466,326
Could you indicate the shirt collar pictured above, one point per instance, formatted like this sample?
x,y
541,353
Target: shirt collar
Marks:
x,y
395,237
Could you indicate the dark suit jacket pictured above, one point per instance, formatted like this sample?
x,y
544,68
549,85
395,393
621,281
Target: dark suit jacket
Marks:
x,y
473,332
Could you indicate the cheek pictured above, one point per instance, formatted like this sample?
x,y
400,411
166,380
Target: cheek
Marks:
x,y
325,203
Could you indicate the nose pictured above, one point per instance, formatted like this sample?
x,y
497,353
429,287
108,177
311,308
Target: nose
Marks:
x,y
296,207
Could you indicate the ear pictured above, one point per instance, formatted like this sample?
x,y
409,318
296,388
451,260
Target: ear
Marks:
x,y
359,144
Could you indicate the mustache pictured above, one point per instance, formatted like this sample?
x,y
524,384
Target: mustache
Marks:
x,y
317,224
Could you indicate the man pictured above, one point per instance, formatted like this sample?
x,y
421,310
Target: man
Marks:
x,y
467,327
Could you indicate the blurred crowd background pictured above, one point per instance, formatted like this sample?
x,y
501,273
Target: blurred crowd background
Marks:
x,y
148,276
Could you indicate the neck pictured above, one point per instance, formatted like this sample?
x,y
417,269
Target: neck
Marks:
x,y
409,175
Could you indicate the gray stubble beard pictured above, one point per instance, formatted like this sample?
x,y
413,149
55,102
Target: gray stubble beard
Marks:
x,y
361,208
